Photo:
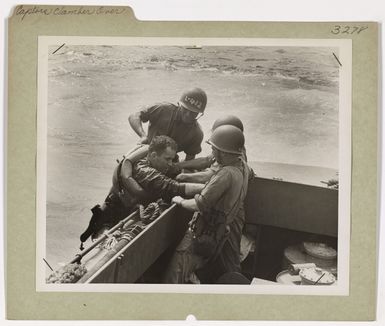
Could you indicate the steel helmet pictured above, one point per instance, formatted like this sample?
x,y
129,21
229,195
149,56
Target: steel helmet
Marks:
x,y
228,120
194,100
228,139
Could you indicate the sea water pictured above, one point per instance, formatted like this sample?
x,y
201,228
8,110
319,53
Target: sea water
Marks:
x,y
287,99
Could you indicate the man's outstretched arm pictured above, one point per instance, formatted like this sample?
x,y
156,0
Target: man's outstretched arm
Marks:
x,y
189,157
199,163
189,204
156,182
192,189
197,177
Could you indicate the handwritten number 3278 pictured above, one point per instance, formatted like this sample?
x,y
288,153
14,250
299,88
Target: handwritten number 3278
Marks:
x,y
338,29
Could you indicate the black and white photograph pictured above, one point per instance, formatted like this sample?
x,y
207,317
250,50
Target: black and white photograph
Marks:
x,y
193,165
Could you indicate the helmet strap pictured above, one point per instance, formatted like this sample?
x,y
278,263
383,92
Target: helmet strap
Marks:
x,y
200,115
180,106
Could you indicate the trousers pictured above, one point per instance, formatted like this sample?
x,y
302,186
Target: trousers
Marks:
x,y
185,262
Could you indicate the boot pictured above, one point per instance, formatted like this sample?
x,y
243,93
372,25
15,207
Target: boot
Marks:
x,y
96,223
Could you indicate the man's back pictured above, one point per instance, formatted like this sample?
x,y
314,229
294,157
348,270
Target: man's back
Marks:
x,y
230,185
165,119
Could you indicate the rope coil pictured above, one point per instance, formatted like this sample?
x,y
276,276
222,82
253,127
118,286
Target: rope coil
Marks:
x,y
74,271
147,215
111,241
150,213
69,273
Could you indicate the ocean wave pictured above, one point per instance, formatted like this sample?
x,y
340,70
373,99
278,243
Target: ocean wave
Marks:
x,y
306,66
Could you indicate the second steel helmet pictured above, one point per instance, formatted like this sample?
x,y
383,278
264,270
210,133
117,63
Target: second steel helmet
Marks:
x,y
194,100
228,120
228,139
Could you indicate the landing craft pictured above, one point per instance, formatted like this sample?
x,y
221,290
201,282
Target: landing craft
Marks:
x,y
282,219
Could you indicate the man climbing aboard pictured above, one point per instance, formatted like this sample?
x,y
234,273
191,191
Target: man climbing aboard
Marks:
x,y
211,166
151,174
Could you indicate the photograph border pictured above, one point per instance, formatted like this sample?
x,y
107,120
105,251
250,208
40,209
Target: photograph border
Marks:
x,y
344,159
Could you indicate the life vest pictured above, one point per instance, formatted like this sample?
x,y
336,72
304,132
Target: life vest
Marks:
x,y
122,181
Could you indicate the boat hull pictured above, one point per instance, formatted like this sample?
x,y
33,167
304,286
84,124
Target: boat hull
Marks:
x,y
278,214
128,263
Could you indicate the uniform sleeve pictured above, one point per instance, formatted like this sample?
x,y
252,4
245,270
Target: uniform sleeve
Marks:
x,y
194,147
173,171
150,113
157,183
213,191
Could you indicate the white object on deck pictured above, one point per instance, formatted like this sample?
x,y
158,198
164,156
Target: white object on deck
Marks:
x,y
260,281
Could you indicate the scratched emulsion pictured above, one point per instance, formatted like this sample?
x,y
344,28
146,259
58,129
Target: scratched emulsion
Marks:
x,y
286,97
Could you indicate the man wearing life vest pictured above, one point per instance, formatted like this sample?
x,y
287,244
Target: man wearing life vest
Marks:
x,y
207,166
176,121
215,232
150,174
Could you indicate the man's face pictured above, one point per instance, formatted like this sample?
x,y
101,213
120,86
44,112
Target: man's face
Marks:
x,y
216,154
188,116
162,161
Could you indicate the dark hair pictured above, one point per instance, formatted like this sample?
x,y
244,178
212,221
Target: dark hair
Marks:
x,y
160,143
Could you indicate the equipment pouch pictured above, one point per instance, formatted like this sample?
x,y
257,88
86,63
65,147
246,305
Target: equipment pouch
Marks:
x,y
209,233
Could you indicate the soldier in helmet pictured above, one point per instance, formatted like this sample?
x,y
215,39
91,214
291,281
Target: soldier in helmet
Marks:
x,y
228,120
176,121
211,165
215,233
209,170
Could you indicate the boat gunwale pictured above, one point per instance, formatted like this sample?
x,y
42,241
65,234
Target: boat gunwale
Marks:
x,y
121,251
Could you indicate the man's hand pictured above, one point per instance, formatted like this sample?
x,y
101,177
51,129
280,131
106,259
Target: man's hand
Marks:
x,y
189,204
181,177
136,125
143,140
177,200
